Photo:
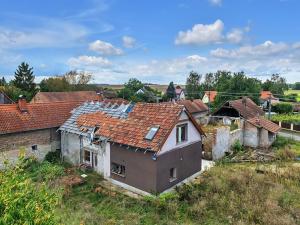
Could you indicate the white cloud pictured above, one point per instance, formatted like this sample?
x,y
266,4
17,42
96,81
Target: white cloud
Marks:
x,y
104,48
216,2
197,58
85,61
128,42
235,36
202,34
265,49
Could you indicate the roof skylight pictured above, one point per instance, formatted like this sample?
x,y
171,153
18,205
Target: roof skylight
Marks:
x,y
151,133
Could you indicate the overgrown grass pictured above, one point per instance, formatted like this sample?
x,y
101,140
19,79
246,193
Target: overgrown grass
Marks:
x,y
286,147
227,194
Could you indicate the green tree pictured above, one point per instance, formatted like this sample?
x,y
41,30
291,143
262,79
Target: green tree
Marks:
x,y
134,85
209,82
2,81
297,86
277,85
170,93
234,86
193,85
52,84
24,79
12,92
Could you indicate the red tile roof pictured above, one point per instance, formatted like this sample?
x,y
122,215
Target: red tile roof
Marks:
x,y
194,106
247,108
37,116
264,95
261,122
43,97
211,94
132,130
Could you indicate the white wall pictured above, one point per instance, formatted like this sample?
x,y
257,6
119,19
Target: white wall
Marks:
x,y
205,99
193,135
70,146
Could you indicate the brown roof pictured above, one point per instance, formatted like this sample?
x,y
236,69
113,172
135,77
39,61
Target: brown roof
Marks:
x,y
264,95
194,106
247,108
37,116
261,122
211,94
132,130
43,97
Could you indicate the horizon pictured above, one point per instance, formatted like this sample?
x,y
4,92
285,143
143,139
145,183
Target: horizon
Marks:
x,y
155,42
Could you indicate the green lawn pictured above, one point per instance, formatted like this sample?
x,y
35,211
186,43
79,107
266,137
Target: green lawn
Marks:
x,y
290,91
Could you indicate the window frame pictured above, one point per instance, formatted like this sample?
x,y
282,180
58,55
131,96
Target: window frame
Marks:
x,y
172,174
180,126
34,147
90,157
121,167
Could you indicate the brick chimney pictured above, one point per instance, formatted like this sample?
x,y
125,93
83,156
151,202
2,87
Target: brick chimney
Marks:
x,y
22,104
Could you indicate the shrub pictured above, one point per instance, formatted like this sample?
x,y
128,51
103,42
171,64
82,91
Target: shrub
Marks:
x,y
283,108
53,157
45,171
282,142
237,147
21,203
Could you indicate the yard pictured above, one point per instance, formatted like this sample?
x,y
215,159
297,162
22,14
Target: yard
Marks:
x,y
290,91
229,193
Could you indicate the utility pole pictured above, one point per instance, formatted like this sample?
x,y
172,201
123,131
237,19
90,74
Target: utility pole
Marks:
x,y
269,110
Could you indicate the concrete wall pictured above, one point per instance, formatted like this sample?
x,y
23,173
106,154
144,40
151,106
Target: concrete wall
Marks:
x,y
70,146
251,136
45,139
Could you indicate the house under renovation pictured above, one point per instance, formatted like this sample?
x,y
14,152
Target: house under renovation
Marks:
x,y
146,147
255,130
195,107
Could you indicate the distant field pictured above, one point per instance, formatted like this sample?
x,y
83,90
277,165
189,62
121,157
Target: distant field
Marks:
x,y
159,87
293,92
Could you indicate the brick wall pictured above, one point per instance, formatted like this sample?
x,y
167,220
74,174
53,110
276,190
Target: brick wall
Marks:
x,y
15,141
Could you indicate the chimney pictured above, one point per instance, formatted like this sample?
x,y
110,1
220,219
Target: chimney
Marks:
x,y
22,104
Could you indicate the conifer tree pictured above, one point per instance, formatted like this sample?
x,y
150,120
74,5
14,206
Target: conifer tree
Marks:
x,y
171,94
24,78
2,81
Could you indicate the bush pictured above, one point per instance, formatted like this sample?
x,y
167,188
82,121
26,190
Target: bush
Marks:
x,y
45,171
283,108
53,157
281,142
237,147
21,202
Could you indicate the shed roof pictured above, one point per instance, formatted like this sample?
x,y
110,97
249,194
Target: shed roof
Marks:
x,y
194,106
246,107
37,116
261,122
43,97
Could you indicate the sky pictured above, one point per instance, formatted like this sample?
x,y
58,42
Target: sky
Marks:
x,y
155,41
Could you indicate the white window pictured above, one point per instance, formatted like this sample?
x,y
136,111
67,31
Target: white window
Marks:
x,y
118,169
181,133
173,174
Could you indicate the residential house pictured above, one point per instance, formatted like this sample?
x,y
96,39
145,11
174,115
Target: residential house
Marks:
x,y
265,97
79,96
209,96
179,93
4,99
32,127
256,131
146,147
195,107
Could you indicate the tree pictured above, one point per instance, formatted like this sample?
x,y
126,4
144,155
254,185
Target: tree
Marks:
x,y
234,86
297,86
134,85
24,79
2,81
277,85
55,84
209,83
170,93
193,85
74,77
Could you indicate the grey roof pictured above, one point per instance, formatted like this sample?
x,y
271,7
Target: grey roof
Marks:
x,y
114,110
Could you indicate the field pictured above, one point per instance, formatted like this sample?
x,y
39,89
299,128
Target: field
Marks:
x,y
290,91
229,193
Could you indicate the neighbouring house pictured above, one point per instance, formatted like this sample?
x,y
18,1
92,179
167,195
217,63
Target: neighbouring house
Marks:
x,y
146,147
32,127
209,96
264,98
106,94
195,107
79,96
4,99
179,93
257,132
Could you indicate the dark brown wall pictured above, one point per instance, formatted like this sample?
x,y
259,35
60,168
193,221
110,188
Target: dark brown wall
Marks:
x,y
186,160
21,139
151,175
140,168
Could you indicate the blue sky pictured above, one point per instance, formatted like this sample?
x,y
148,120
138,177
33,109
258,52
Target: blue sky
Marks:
x,y
155,41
